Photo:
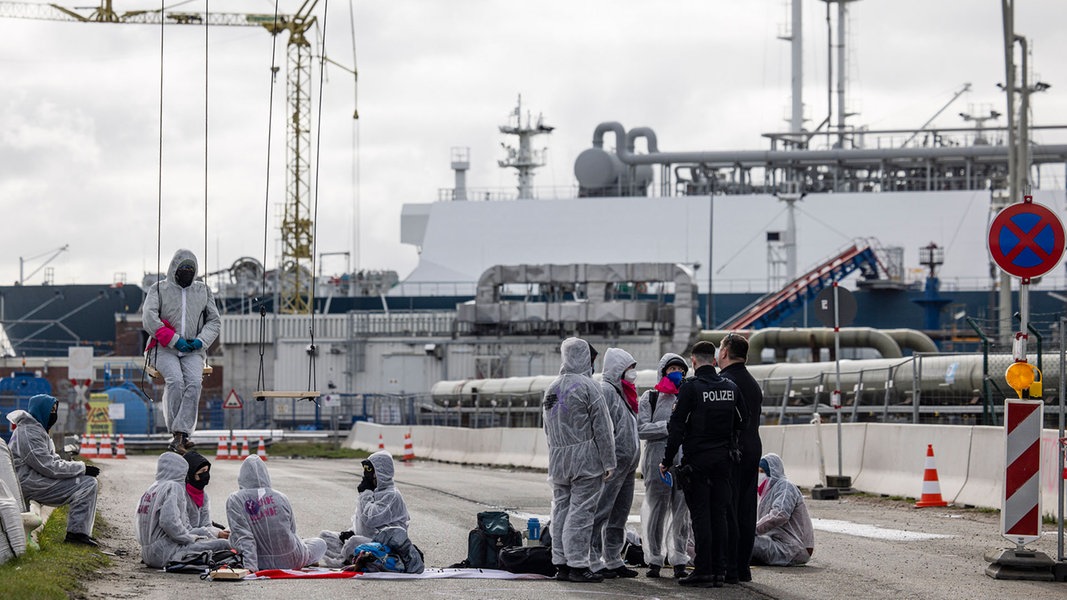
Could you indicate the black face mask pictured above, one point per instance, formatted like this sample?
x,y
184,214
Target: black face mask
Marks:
x,y
202,482
52,418
184,277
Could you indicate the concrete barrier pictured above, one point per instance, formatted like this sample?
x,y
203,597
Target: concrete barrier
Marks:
x,y
881,458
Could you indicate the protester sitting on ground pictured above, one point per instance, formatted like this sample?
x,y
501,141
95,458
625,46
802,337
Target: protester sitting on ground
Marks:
x,y
47,478
381,516
162,524
784,535
199,505
263,526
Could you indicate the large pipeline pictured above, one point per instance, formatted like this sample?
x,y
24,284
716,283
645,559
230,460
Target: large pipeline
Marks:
x,y
890,343
946,376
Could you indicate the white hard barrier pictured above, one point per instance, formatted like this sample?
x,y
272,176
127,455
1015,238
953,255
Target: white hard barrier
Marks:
x,y
881,458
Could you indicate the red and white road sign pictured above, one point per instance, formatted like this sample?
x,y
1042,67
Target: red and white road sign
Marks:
x,y
1020,517
232,400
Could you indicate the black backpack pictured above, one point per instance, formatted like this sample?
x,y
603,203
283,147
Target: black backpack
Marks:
x,y
493,534
528,559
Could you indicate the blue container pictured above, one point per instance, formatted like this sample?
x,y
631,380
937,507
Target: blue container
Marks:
x,y
533,528
139,416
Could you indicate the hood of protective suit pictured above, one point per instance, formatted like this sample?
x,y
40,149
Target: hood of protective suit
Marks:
x,y
616,360
41,408
383,468
254,474
171,467
181,256
775,469
668,358
576,357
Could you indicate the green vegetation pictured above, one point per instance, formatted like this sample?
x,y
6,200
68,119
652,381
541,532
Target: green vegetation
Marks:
x,y
303,450
58,569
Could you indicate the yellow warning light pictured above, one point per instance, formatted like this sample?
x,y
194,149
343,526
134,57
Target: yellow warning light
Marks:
x,y
1021,376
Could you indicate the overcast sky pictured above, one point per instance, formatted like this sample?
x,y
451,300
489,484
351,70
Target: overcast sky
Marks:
x,y
79,109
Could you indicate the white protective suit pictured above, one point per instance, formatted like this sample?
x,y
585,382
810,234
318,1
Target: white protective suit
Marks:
x,y
381,516
44,476
784,535
199,516
613,508
192,314
162,524
262,524
664,510
581,450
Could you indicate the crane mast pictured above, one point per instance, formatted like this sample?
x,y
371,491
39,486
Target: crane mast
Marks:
x,y
295,281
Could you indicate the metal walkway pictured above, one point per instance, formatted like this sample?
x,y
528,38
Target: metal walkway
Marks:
x,y
773,308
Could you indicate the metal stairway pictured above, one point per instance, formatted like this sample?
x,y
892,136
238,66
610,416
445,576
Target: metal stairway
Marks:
x,y
773,308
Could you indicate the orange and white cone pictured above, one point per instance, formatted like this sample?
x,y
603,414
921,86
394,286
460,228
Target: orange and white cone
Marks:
x,y
931,486
120,449
261,451
105,447
88,449
409,451
244,449
381,442
222,452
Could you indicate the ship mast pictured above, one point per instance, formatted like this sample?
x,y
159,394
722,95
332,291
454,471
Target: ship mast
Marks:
x,y
524,159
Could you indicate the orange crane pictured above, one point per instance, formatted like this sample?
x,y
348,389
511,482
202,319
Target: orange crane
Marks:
x,y
295,281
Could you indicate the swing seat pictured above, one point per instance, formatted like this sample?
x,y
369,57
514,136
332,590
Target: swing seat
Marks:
x,y
305,395
155,374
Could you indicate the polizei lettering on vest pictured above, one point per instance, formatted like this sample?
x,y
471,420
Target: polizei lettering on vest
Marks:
x,y
719,396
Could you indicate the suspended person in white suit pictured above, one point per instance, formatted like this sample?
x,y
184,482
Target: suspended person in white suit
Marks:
x,y
262,524
183,321
162,525
47,478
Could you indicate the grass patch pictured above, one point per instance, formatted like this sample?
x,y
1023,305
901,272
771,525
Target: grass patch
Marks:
x,y
58,569
304,450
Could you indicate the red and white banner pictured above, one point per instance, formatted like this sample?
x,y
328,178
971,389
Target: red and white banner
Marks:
x,y
1020,518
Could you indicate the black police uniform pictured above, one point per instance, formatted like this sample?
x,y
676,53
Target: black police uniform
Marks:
x,y
746,472
704,423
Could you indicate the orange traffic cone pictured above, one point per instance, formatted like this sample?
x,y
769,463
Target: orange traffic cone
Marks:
x,y
261,452
244,449
381,443
88,449
222,452
105,447
931,486
120,450
409,451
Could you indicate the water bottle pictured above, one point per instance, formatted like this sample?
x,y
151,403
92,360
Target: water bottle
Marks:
x,y
533,529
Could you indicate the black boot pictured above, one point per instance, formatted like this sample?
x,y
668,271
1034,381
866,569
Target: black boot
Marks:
x,y
187,443
563,572
679,571
584,575
80,538
653,571
175,444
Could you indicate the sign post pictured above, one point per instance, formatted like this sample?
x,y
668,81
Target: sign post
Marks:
x,y
233,402
835,307
1026,240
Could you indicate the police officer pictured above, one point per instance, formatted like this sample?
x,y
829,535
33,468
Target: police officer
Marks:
x,y
733,353
704,423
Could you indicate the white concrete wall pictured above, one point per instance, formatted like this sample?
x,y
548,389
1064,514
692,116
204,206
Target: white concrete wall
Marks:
x,y
880,458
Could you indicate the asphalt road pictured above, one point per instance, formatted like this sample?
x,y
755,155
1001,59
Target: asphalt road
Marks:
x,y
443,500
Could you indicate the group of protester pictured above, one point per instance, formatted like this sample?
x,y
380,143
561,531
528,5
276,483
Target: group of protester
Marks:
x,y
706,484
711,499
